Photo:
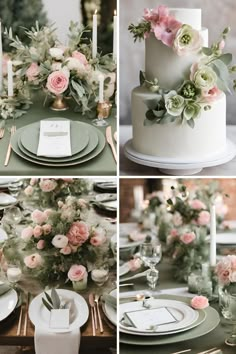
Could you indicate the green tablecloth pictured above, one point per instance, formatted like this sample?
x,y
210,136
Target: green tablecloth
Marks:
x,y
102,165
215,338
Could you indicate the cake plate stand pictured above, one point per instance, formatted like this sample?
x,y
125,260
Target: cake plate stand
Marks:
x,y
179,168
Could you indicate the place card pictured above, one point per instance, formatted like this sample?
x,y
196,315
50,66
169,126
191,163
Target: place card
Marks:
x,y
59,319
149,319
54,138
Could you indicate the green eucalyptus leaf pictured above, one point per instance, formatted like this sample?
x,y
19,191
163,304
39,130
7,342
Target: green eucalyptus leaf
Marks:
x,y
142,77
191,123
46,304
55,299
207,51
150,115
48,298
222,72
148,122
159,113
152,103
226,58
168,119
78,88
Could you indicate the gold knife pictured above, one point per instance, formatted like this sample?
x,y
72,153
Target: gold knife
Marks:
x,y
110,141
92,307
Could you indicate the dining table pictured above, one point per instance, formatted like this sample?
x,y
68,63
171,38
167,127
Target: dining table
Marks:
x,y
215,338
102,165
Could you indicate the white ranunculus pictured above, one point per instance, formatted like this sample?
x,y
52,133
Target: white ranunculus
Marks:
x,y
60,241
205,78
187,41
56,53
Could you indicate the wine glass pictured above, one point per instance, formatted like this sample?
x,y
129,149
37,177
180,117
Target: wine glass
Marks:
x,y
15,187
13,215
231,340
151,254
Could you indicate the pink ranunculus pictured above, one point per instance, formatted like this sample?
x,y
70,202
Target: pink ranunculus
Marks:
x,y
38,231
197,204
204,218
47,185
166,30
134,264
80,56
212,95
27,233
137,236
66,250
47,228
98,240
57,82
78,233
39,217
33,261
199,302
157,14
29,191
32,72
33,181
188,237
41,245
77,272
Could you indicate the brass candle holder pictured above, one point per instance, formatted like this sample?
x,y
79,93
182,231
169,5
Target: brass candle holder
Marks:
x,y
103,112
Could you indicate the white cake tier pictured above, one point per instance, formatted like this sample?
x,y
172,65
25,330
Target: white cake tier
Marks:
x,y
165,65
192,17
207,138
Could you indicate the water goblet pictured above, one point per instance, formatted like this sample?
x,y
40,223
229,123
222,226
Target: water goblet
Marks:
x,y
15,187
13,215
150,253
231,340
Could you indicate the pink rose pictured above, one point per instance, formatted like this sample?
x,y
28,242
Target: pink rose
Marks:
x,y
98,240
77,273
199,302
27,233
48,212
81,57
33,261
57,82
174,233
188,237
38,231
47,185
134,264
29,191
177,219
78,233
212,95
60,241
47,229
137,236
65,250
32,72
204,218
197,204
40,244
39,217
34,181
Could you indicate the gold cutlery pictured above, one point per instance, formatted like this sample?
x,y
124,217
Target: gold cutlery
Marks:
x,y
2,131
210,351
110,141
183,351
19,322
91,303
96,299
13,130
26,314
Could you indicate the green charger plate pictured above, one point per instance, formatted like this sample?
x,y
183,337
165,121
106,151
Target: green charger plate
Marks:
x,y
90,156
92,144
78,130
211,322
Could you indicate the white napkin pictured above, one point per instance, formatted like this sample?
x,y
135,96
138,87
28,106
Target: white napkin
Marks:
x,y
56,343
54,138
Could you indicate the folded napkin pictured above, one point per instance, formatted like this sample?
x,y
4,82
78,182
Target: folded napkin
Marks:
x,y
46,342
54,138
4,288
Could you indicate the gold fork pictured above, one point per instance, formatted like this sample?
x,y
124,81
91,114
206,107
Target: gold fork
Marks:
x,y
13,130
2,130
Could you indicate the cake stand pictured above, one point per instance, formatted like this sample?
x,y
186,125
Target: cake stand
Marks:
x,y
179,168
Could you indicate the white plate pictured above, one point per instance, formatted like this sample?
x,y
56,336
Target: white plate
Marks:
x,y
226,238
184,314
109,311
3,235
8,303
124,269
6,199
40,316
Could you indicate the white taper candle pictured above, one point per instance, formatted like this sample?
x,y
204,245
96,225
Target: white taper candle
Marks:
x,y
115,36
9,79
213,236
95,35
1,59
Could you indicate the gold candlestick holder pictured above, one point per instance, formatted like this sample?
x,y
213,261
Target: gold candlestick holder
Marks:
x,y
103,112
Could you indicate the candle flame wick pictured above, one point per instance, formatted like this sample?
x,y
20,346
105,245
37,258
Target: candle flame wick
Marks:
x,y
115,13
95,12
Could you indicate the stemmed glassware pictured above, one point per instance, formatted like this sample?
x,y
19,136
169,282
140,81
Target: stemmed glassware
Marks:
x,y
231,340
151,253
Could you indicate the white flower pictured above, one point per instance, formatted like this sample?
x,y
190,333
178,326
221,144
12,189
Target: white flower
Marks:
x,y
205,78
75,64
187,41
56,53
177,219
60,241
33,51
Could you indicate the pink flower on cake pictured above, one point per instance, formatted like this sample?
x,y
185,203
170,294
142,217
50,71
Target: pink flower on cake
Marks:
x,y
156,14
38,231
41,245
212,94
47,185
188,237
81,57
78,233
187,41
47,229
134,264
33,261
57,82
29,191
204,218
77,273
221,44
39,217
60,241
166,30
197,204
199,302
27,233
32,72
66,250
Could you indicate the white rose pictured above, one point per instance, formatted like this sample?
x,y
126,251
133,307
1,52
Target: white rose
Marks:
x,y
33,51
60,241
56,53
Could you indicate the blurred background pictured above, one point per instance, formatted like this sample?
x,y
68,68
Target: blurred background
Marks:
x,y
24,13
134,189
216,15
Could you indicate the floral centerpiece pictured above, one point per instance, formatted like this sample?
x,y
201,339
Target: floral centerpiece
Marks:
x,y
55,244
64,71
207,79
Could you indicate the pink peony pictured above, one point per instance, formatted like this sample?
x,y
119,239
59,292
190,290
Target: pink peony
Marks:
x,y
47,229
27,233
199,302
157,14
197,204
212,95
204,218
77,273
41,245
32,72
78,233
29,191
65,250
134,264
33,261
57,82
38,231
47,185
39,217
166,30
81,57
188,237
